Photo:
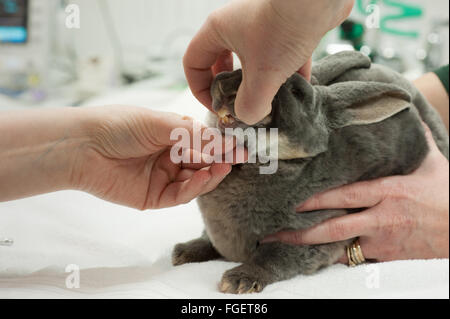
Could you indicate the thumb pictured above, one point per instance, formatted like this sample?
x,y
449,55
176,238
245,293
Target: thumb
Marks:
x,y
255,95
224,63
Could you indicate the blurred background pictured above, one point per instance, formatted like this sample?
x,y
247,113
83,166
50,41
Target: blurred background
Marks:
x,y
92,52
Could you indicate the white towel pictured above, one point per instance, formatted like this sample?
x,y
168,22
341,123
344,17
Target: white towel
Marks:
x,y
125,253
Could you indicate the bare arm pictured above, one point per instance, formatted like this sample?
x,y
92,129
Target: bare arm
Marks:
x,y
39,151
431,87
118,153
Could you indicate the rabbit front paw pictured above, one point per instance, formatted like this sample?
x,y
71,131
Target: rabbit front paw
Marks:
x,y
243,279
196,250
181,255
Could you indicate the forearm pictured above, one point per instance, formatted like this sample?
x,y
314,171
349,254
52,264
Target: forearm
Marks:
x,y
431,87
40,151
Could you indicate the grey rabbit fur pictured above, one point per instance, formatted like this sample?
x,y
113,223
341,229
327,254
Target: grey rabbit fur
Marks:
x,y
355,121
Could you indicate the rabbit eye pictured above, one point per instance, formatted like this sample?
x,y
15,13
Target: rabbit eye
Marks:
x,y
298,94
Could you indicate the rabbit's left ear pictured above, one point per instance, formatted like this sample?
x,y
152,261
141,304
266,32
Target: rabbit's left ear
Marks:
x,y
362,103
225,83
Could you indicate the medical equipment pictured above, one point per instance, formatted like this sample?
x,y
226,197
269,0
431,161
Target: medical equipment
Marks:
x,y
25,26
6,242
13,21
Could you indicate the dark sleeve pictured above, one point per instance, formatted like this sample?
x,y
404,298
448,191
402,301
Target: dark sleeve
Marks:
x,y
442,74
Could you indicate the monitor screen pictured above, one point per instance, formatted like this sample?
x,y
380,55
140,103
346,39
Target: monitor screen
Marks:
x,y
13,21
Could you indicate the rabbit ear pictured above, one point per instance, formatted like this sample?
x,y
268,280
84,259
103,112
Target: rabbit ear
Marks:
x,y
360,103
301,124
329,68
225,83
217,95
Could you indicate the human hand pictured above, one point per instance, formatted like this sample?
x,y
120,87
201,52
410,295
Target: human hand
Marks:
x,y
272,38
407,216
127,160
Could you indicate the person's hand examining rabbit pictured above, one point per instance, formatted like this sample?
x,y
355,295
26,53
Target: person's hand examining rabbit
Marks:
x,y
121,154
407,217
272,38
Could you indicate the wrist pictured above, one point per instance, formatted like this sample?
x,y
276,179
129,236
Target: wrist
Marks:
x,y
82,153
312,17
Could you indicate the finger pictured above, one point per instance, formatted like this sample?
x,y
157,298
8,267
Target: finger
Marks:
x,y
306,70
166,128
365,245
357,195
194,159
200,183
238,155
164,168
185,174
202,53
162,172
255,95
177,193
221,149
223,63
188,163
343,259
171,185
218,173
332,230
192,137
217,145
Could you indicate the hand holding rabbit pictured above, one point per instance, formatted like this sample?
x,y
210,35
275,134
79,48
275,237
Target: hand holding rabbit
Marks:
x,y
407,216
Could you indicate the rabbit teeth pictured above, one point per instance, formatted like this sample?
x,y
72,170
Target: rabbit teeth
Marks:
x,y
227,120
225,117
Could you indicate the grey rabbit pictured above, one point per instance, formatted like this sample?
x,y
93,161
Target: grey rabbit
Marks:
x,y
355,121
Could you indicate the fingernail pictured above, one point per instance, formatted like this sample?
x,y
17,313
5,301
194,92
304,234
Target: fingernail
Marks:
x,y
206,158
269,239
